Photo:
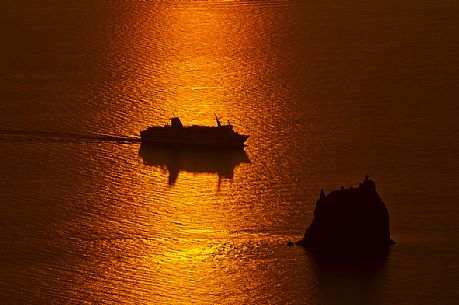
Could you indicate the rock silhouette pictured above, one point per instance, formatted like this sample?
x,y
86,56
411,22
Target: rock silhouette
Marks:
x,y
349,222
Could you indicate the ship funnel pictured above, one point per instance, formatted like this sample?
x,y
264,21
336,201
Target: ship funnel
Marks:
x,y
175,122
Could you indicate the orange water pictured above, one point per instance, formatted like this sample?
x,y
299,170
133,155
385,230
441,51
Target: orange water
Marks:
x,y
327,90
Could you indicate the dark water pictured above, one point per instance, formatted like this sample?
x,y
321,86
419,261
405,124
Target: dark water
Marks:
x,y
328,91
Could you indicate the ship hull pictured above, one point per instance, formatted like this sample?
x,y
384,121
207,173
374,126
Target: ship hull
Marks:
x,y
192,137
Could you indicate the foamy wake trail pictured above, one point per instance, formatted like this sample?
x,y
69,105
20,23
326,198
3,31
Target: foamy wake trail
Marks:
x,y
21,135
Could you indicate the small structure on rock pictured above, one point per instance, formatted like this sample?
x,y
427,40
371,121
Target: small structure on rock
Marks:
x,y
349,222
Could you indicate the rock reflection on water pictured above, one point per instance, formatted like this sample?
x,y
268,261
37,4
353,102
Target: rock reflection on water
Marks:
x,y
355,282
195,160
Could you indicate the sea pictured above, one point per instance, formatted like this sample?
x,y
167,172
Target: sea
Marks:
x,y
328,91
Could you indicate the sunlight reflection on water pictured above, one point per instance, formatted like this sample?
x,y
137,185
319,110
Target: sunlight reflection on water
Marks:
x,y
325,101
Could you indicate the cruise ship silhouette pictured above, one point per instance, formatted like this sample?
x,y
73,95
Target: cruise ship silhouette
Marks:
x,y
176,134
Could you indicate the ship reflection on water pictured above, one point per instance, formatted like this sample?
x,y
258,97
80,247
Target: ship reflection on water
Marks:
x,y
218,161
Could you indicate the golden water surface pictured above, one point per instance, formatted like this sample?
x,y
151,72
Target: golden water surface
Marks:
x,y
328,92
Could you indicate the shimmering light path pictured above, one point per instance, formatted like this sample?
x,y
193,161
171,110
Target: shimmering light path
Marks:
x,y
328,92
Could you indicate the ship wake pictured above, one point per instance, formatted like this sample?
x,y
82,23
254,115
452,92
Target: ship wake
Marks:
x,y
27,135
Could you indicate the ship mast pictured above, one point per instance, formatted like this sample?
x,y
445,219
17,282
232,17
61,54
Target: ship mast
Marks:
x,y
218,121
